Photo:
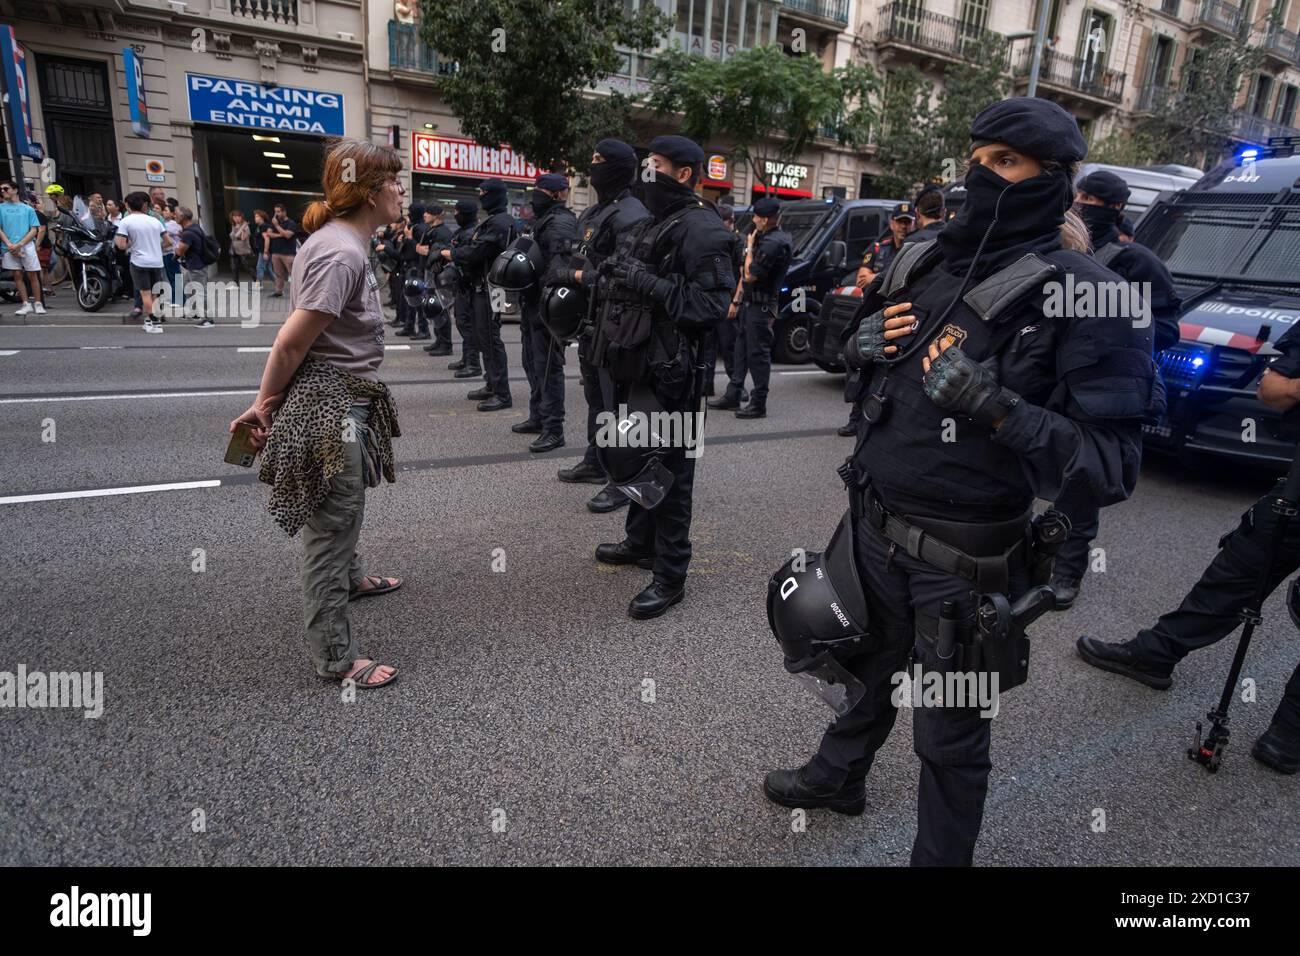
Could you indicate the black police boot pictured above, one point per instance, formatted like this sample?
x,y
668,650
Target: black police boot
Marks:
x,y
607,499
1122,659
430,348
495,404
468,373
421,337
582,473
405,330
457,365
753,410
621,554
529,426
1278,749
546,442
1066,591
727,401
791,788
654,600
436,349
847,431
480,394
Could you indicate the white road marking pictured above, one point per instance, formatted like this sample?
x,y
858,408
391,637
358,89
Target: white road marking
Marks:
x,y
9,352
253,348
103,492
99,348
114,398
399,348
812,371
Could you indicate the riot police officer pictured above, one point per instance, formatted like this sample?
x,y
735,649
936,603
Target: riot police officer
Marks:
x,y
555,230
723,339
437,236
411,265
1213,608
880,254
1100,202
666,285
754,309
930,214
475,258
600,227
975,403
468,365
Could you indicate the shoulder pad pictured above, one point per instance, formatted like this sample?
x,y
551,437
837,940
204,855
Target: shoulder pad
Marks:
x,y
910,262
1006,287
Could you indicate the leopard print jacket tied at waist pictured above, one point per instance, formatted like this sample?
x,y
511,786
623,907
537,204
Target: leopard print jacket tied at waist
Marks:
x,y
305,449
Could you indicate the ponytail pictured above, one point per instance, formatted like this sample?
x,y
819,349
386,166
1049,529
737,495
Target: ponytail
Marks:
x,y
317,214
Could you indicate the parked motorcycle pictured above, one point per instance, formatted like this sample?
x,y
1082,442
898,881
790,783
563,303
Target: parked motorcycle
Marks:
x,y
94,269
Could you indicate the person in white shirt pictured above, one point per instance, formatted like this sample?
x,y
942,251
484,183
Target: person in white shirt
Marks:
x,y
144,238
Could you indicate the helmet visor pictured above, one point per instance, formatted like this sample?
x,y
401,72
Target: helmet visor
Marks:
x,y
831,683
651,485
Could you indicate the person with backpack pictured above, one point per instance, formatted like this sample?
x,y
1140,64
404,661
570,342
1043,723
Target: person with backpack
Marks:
x,y
195,251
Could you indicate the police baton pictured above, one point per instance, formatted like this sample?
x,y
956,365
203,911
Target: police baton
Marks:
x,y
1209,751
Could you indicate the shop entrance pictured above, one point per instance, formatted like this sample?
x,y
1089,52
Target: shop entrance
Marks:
x,y
77,109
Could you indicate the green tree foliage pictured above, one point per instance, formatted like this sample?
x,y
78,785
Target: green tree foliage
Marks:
x,y
525,69
763,99
977,81
905,148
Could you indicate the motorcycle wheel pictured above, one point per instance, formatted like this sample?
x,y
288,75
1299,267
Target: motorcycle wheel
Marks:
x,y
92,291
9,295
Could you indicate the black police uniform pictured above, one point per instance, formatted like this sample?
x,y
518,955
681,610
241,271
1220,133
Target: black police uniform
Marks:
x,y
1211,610
930,475
684,253
925,233
880,254
463,288
555,231
437,238
723,340
600,227
756,317
390,260
412,266
1137,264
488,240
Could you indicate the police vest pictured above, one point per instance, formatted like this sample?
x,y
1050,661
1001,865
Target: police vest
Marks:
x,y
923,451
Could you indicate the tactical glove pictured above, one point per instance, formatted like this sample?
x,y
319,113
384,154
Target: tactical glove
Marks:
x,y
960,384
869,343
632,274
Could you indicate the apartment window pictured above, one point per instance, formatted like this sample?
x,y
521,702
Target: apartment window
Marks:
x,y
1094,45
1260,94
1160,61
1284,112
1053,18
1170,7
974,16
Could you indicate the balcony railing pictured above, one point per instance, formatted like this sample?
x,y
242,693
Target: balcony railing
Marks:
x,y
1218,14
904,22
1283,44
281,12
1065,71
1256,129
837,10
408,51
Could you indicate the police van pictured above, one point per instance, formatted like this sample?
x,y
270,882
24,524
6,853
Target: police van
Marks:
x,y
1232,243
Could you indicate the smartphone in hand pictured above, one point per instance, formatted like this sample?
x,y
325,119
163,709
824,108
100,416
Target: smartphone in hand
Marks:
x,y
240,451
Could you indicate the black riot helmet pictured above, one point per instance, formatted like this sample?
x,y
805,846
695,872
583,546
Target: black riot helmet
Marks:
x,y
818,612
517,268
631,444
413,291
564,311
430,307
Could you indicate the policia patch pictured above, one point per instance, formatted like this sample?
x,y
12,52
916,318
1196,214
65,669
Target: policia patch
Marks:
x,y
954,332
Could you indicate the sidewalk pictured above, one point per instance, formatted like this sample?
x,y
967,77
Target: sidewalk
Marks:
x,y
62,309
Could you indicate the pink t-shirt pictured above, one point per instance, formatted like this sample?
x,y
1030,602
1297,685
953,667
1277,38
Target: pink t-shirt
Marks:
x,y
332,274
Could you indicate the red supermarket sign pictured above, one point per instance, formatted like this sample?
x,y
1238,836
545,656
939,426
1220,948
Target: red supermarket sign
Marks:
x,y
464,157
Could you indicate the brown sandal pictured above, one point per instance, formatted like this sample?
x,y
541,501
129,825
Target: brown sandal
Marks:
x,y
383,587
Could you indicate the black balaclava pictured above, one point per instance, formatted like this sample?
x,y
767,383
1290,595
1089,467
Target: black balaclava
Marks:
x,y
541,202
664,194
1029,216
1102,222
615,174
493,199
466,212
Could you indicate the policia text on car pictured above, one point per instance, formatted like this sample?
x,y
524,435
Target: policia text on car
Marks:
x,y
975,402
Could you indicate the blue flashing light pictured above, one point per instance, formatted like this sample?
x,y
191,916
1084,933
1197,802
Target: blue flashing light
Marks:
x,y
829,200
1249,154
1198,362
785,288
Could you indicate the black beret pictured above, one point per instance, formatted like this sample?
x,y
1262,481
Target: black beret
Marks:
x,y
1035,127
767,206
492,185
615,149
903,210
467,205
553,181
1106,186
726,212
416,210
682,151
434,209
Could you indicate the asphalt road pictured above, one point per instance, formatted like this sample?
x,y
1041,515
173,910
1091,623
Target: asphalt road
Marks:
x,y
522,691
